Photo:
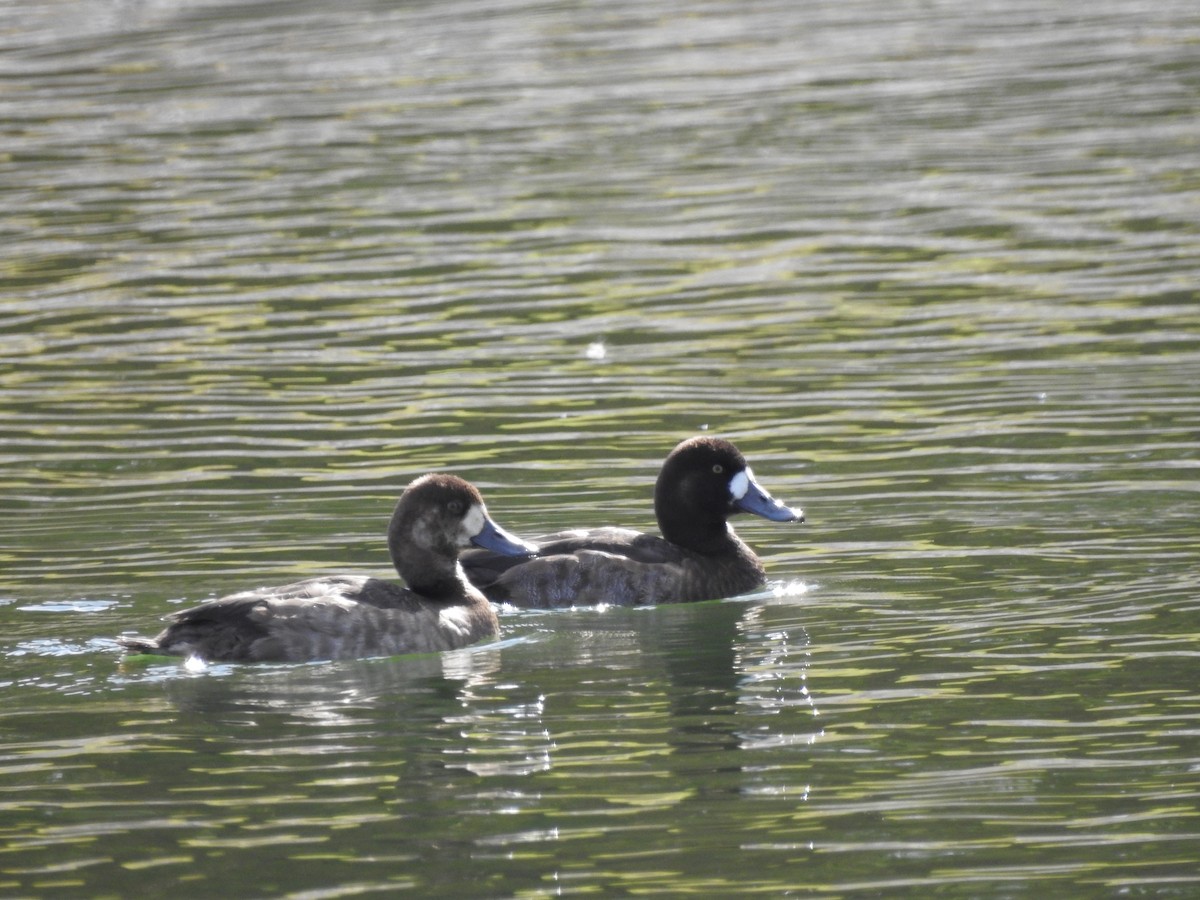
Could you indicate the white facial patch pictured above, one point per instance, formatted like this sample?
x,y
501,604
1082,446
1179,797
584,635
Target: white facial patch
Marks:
x,y
473,522
739,484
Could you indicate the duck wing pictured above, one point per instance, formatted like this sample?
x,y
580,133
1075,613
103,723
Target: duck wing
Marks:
x,y
583,568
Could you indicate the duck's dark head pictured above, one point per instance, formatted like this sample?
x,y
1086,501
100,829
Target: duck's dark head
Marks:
x,y
703,482
435,518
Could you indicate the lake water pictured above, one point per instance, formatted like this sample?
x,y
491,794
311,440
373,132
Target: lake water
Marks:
x,y
932,264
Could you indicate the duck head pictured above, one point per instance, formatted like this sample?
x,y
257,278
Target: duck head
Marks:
x,y
436,517
703,482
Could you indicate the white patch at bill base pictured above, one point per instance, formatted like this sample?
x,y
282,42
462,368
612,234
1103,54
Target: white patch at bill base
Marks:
x,y
739,484
474,521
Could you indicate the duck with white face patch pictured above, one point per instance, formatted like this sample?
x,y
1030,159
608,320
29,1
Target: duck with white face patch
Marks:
x,y
338,617
703,482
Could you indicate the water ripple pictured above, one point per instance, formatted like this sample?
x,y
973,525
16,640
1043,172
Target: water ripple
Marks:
x,y
933,271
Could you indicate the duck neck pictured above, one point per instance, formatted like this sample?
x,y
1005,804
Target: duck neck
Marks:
x,y
431,572
440,586
693,530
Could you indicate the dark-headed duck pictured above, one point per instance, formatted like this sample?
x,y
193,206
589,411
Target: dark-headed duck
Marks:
x,y
347,616
703,481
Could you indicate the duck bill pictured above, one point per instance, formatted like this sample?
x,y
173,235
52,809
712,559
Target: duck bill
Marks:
x,y
750,496
493,537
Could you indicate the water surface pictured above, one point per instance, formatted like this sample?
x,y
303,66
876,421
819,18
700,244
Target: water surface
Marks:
x,y
932,265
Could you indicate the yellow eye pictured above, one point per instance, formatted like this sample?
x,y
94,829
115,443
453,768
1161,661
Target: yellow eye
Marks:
x,y
718,468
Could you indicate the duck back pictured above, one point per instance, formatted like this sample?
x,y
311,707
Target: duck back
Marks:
x,y
322,618
614,566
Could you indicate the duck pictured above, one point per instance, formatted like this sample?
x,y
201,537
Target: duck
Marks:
x,y
703,481
352,616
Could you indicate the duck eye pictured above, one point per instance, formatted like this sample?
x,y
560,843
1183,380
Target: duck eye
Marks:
x,y
718,469
455,506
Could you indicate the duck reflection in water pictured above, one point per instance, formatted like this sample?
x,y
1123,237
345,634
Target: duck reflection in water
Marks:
x,y
349,616
702,483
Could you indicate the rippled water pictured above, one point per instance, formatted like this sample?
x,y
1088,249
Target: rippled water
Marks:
x,y
932,264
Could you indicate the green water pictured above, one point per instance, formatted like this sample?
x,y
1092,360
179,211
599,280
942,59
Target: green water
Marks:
x,y
931,265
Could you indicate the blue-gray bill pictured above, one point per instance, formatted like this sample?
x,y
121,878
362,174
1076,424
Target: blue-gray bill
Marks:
x,y
755,499
493,537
